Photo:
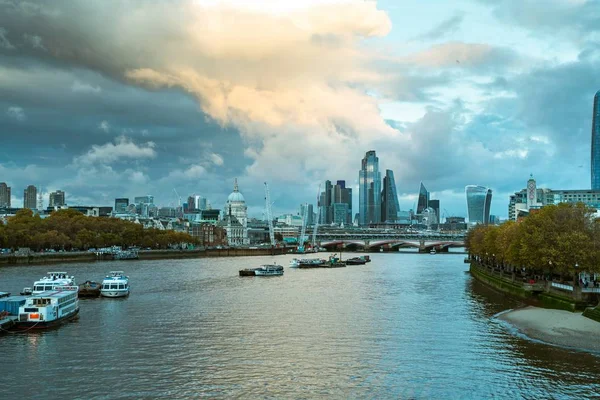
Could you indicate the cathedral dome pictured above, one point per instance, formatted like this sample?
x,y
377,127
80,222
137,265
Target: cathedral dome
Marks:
x,y
236,196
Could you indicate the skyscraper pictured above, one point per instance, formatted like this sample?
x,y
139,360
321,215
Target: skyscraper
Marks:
x,y
4,195
191,203
335,194
479,200
596,143
57,199
423,201
30,197
389,198
369,190
435,206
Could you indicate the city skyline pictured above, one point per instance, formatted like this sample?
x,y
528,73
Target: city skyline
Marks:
x,y
103,113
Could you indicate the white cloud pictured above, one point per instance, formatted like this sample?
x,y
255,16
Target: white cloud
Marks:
x,y
82,87
216,159
104,126
122,148
16,112
193,172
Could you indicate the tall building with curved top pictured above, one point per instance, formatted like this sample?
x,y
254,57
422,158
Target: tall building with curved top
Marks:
x,y
369,190
479,201
596,143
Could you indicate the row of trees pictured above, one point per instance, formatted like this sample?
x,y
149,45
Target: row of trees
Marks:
x,y
69,229
560,239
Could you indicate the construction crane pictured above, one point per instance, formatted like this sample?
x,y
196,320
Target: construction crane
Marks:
x,y
269,214
303,230
178,202
316,226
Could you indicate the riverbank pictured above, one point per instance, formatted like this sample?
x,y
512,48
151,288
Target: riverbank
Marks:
x,y
558,327
55,258
543,294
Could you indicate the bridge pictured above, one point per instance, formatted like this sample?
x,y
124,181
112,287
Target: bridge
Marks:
x,y
391,244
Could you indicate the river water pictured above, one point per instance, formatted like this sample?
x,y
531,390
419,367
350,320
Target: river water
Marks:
x,y
403,326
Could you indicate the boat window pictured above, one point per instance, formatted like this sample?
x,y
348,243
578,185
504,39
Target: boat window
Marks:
x,y
38,288
49,287
114,286
106,286
121,286
31,310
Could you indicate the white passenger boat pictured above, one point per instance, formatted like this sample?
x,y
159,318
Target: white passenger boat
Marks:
x,y
54,278
48,309
295,263
269,270
116,284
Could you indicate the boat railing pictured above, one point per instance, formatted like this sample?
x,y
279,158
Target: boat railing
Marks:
x,y
562,286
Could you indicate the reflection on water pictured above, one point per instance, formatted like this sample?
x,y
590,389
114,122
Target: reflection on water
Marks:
x,y
402,326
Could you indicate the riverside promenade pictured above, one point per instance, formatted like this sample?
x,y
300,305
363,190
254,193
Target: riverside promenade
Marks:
x,y
80,256
536,290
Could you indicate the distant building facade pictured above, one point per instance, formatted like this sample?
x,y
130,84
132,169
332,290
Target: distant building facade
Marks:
x,y
369,190
532,198
595,165
4,195
121,205
57,199
235,218
208,234
389,198
479,200
30,197
335,194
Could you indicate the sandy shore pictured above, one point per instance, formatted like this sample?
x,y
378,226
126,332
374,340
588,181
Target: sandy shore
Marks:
x,y
562,328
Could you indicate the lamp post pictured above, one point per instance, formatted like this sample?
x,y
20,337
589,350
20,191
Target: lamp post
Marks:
x,y
576,281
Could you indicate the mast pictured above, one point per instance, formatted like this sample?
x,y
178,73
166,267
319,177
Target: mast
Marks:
x,y
316,226
269,215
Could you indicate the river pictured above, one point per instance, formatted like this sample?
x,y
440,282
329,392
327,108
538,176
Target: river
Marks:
x,y
403,326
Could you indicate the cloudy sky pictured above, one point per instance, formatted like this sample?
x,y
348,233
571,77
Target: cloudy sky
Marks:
x,y
112,98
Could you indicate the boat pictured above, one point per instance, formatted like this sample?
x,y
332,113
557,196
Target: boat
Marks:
x,y
356,261
306,262
89,289
27,291
269,270
116,284
49,308
54,278
432,251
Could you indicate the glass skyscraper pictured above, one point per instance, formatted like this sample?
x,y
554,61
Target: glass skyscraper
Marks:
x,y
596,143
389,198
479,200
369,190
423,201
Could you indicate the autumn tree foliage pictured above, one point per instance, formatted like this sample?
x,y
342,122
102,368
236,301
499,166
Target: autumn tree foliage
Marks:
x,y
553,239
69,229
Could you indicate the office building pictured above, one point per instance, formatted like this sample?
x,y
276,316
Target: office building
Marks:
x,y
30,197
144,199
389,199
479,200
121,205
423,201
369,190
335,194
532,197
4,195
57,199
595,165
191,203
435,206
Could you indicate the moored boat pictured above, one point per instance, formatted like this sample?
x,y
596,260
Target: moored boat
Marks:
x,y
89,289
54,278
356,261
269,270
116,284
27,291
48,309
